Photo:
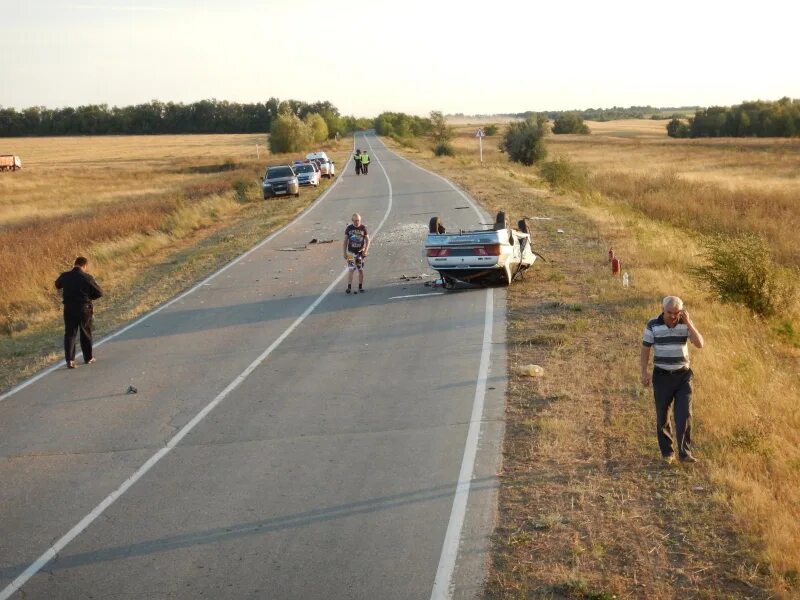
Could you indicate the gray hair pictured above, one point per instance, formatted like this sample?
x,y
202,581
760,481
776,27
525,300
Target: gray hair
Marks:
x,y
672,301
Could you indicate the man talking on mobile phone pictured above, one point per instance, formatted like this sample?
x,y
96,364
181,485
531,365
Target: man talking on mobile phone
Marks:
x,y
668,334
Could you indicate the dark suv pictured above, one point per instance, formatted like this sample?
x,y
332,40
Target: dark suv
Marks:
x,y
279,181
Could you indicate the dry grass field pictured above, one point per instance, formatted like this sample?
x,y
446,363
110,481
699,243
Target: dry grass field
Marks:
x,y
587,510
153,213
709,185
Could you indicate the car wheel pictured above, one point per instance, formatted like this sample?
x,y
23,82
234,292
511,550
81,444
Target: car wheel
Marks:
x,y
522,225
435,225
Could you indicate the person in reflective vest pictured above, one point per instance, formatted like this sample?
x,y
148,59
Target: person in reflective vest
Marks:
x,y
357,159
364,162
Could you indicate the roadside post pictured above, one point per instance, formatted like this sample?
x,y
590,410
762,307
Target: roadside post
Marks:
x,y
479,134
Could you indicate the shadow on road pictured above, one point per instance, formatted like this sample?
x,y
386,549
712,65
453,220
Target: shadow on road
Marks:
x,y
253,528
183,321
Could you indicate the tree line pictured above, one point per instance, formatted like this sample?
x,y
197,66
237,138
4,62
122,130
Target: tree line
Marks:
x,y
401,125
155,117
758,118
601,114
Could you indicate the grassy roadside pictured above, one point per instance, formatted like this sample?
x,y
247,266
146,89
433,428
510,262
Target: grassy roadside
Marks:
x,y
586,508
215,218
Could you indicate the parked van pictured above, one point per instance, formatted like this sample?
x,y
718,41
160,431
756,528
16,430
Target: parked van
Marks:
x,y
326,165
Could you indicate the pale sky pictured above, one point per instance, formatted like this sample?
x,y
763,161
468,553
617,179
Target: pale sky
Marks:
x,y
408,56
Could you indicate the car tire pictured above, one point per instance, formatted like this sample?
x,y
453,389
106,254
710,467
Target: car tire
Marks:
x,y
500,221
522,225
297,195
435,226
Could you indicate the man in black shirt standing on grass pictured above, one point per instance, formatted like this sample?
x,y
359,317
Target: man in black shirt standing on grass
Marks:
x,y
80,289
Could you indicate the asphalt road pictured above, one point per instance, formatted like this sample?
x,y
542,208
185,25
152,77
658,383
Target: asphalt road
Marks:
x,y
287,440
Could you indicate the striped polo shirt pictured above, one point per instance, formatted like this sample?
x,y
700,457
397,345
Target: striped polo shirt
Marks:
x,y
670,346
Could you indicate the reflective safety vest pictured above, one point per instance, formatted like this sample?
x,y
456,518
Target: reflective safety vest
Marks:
x,y
364,158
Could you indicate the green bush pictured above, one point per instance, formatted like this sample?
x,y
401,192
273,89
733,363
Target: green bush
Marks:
x,y
490,130
318,126
240,187
444,149
562,173
289,134
524,140
401,124
441,134
741,270
570,123
678,128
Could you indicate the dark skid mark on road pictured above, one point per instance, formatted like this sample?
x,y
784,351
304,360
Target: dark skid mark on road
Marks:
x,y
183,321
221,534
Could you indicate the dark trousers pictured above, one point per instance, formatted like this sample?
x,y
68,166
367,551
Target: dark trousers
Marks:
x,y
78,319
358,167
673,389
365,168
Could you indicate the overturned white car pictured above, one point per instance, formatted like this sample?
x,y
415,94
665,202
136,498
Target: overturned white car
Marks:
x,y
493,256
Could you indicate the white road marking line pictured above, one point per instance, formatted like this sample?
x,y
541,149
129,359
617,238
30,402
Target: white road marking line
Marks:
x,y
481,216
443,582
51,552
204,282
417,295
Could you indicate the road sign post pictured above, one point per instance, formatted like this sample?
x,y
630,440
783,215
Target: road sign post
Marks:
x,y
479,134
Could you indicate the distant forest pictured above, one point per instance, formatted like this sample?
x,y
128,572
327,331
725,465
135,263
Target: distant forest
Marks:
x,y
205,116
749,119
602,114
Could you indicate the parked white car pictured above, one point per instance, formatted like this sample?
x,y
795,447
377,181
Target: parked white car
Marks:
x,y
307,174
494,256
327,168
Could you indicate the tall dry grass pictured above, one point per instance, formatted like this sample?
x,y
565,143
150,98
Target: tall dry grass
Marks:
x,y
747,400
773,214
727,186
117,200
68,175
652,200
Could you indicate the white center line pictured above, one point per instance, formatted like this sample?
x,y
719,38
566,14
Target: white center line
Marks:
x,y
443,584
51,552
180,297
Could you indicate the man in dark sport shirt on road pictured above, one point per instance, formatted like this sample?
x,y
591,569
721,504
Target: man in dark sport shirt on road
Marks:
x,y
356,246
